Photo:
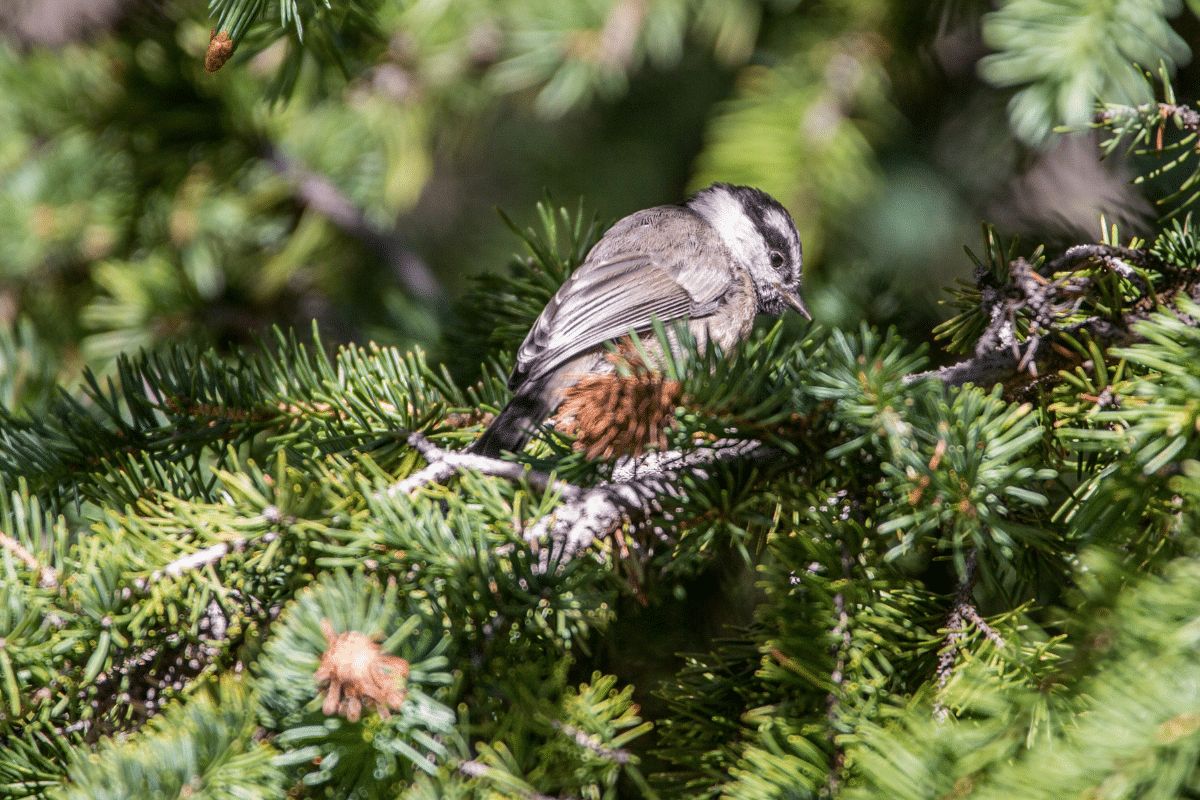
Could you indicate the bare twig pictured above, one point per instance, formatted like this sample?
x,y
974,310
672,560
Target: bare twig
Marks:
x,y
585,740
323,196
622,28
477,769
444,463
47,576
962,614
634,493
840,646
198,560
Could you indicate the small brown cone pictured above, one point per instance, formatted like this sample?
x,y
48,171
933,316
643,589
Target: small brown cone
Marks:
x,y
220,50
612,415
358,673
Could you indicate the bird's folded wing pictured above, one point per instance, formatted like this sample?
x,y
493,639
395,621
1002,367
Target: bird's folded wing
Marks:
x,y
606,301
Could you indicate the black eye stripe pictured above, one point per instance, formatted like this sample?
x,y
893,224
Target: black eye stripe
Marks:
x,y
756,205
756,214
775,240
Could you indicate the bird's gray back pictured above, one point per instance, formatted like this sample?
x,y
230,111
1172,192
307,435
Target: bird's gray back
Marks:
x,y
662,263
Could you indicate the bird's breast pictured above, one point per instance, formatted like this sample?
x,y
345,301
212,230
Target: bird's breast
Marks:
x,y
734,317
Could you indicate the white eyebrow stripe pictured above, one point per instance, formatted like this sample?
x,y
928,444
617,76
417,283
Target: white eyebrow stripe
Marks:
x,y
779,221
723,211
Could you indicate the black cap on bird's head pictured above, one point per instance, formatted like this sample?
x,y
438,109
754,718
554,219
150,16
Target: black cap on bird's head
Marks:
x,y
761,235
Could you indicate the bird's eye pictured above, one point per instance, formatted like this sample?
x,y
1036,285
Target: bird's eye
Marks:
x,y
777,259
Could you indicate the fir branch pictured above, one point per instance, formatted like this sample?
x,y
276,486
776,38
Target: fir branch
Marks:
x,y
204,747
476,769
1037,47
955,633
1043,303
148,676
1115,257
971,615
1142,130
1187,117
207,556
632,495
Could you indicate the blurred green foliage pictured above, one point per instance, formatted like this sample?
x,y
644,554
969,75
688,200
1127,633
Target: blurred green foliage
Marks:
x,y
1067,53
344,164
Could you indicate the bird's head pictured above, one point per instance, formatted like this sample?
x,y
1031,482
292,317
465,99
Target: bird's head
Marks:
x,y
761,236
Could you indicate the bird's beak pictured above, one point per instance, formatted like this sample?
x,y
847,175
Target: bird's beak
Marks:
x,y
793,300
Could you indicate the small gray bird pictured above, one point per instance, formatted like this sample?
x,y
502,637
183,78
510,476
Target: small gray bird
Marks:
x,y
726,255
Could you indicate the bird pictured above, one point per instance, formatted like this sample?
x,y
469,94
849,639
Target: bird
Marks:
x,y
714,262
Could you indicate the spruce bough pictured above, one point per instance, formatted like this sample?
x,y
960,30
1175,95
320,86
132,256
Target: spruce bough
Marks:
x,y
277,576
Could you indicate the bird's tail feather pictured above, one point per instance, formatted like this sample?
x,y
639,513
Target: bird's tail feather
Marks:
x,y
513,426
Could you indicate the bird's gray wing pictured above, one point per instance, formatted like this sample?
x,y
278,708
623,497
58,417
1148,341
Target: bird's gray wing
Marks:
x,y
606,299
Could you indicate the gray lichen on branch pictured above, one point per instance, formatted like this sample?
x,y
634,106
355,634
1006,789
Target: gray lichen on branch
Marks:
x,y
1042,300
633,493
444,463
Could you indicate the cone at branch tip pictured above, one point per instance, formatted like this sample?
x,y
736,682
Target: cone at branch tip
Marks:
x,y
220,50
354,672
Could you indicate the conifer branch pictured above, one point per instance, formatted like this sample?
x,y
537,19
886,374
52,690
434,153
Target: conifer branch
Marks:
x,y
632,494
955,632
213,554
971,615
1115,257
1000,357
476,769
1187,117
